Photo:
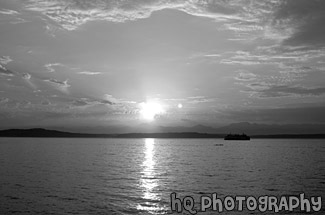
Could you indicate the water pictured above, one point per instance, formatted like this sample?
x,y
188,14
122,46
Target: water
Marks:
x,y
137,176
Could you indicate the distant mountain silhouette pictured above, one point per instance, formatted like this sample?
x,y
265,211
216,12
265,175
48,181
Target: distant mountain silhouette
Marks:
x,y
242,127
196,128
266,129
40,132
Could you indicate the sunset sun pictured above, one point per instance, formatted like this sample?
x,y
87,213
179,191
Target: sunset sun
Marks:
x,y
149,110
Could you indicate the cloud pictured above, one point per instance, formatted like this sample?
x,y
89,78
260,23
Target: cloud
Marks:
x,y
8,12
239,27
73,13
290,22
308,19
110,98
273,55
258,86
26,76
285,64
245,76
264,90
70,14
14,105
199,99
278,91
212,55
50,66
106,102
51,29
89,73
295,54
5,60
80,103
5,71
88,102
3,100
63,84
293,22
45,103
241,62
11,16
278,115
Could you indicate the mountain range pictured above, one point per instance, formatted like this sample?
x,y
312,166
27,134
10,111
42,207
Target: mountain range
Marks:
x,y
245,127
199,131
40,132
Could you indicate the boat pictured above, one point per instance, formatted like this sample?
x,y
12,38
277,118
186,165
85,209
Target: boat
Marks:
x,y
237,137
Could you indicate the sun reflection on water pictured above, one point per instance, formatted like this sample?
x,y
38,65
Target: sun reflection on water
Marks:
x,y
148,181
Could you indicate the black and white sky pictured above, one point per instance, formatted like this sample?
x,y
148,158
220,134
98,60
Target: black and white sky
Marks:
x,y
99,63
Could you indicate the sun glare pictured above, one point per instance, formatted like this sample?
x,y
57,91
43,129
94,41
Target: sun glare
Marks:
x,y
149,110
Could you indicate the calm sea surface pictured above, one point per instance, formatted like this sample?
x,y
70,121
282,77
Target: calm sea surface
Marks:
x,y
137,176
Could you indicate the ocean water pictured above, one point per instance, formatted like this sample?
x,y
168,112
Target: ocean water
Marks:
x,y
137,176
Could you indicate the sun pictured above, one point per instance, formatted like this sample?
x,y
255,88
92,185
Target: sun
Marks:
x,y
149,110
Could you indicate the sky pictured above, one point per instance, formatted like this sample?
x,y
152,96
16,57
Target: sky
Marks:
x,y
109,65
